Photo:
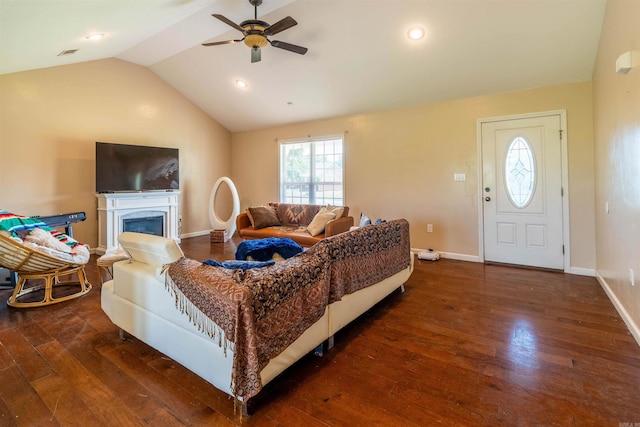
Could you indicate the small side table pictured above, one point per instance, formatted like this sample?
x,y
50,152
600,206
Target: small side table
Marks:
x,y
106,261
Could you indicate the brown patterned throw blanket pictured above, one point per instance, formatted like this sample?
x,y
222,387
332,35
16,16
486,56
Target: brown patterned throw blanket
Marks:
x,y
366,256
259,311
262,311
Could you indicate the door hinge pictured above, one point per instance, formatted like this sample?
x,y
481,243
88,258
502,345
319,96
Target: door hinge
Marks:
x,y
560,134
562,249
561,191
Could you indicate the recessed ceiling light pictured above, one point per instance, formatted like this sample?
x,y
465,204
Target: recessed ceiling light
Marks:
x,y
95,36
241,84
415,33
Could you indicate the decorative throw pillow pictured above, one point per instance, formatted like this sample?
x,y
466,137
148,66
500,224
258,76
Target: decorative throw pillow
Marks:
x,y
262,216
338,210
114,255
44,238
364,220
296,214
319,222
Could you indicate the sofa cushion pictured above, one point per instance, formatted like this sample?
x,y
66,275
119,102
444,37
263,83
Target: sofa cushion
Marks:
x,y
292,214
300,236
262,216
303,238
319,222
149,249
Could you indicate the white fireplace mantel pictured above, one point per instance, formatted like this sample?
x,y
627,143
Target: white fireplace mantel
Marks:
x,y
113,208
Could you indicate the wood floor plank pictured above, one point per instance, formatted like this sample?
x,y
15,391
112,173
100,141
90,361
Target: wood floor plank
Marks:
x,y
34,333
25,407
6,360
24,354
65,404
6,418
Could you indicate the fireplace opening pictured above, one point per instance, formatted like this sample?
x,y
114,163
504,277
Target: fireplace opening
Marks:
x,y
147,225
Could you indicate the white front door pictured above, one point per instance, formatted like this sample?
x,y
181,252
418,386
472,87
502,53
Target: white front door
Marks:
x,y
522,191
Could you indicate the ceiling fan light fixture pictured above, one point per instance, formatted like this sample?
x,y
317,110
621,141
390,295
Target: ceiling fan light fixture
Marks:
x,y
255,40
256,33
415,33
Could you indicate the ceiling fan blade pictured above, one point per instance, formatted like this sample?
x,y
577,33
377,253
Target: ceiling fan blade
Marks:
x,y
290,47
281,25
256,55
228,22
219,43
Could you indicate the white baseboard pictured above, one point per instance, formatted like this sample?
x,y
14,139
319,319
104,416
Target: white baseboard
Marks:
x,y
195,234
461,257
582,271
451,255
633,328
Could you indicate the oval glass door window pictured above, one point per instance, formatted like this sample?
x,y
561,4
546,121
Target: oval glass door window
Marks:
x,y
520,172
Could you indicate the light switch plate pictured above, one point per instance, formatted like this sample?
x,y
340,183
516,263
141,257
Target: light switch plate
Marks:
x,y
459,177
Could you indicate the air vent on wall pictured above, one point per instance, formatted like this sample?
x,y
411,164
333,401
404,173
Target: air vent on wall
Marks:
x,y
68,52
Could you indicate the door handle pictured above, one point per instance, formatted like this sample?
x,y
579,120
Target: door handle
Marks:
x,y
487,199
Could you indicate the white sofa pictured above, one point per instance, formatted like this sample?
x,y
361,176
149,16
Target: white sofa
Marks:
x,y
137,301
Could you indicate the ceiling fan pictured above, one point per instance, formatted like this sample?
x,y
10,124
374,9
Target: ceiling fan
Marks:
x,y
255,33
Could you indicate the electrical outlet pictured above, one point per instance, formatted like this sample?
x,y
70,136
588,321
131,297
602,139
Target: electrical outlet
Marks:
x,y
631,277
429,228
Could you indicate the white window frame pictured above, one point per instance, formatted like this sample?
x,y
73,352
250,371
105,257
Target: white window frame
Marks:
x,y
284,198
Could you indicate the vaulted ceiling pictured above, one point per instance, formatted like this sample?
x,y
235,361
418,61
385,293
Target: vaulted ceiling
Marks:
x,y
359,59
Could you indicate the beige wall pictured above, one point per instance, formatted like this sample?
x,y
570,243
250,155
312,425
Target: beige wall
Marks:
x,y
401,164
617,148
51,118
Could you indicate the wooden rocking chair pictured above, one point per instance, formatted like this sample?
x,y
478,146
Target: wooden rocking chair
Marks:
x,y
33,265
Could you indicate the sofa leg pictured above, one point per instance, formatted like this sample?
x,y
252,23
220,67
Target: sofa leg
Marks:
x,y
245,410
243,407
330,342
402,288
123,335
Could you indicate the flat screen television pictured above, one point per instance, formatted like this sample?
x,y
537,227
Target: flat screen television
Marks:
x,y
129,168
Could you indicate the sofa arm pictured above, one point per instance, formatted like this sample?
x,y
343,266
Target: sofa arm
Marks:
x,y
150,249
242,221
338,226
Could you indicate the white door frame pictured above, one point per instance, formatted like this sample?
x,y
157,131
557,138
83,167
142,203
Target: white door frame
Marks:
x,y
566,235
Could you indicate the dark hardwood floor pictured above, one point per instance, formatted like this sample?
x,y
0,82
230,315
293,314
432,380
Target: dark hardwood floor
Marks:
x,y
467,344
